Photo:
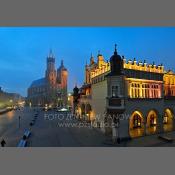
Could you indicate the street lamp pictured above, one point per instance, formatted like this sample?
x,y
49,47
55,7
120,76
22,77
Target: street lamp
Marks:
x,y
118,135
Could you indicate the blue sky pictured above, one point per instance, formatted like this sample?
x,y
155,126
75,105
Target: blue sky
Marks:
x,y
23,50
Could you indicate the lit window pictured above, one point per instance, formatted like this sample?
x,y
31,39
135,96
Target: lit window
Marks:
x,y
137,121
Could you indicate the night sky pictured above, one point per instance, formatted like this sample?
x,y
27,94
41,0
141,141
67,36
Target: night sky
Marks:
x,y
23,50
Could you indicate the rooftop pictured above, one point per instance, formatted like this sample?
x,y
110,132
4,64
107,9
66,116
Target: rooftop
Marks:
x,y
39,82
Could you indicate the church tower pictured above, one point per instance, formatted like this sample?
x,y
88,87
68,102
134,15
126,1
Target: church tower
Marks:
x,y
50,71
62,76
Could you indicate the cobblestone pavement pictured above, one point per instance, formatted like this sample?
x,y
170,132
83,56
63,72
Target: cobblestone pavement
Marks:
x,y
152,141
49,130
10,130
63,132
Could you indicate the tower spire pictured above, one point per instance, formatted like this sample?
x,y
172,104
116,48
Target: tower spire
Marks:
x,y
91,59
51,53
62,64
115,51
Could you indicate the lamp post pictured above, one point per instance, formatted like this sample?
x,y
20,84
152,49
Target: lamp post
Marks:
x,y
19,121
116,127
59,99
118,130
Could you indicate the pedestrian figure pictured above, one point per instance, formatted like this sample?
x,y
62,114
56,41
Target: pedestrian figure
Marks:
x,y
3,143
118,140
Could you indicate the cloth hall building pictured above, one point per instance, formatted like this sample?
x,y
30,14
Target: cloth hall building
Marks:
x,y
142,94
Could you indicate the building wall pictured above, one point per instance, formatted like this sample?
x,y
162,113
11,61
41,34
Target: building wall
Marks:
x,y
101,91
169,84
141,87
119,82
99,94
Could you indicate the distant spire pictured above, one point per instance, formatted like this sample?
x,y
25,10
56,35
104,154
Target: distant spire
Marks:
x,y
62,64
75,82
92,59
115,51
51,53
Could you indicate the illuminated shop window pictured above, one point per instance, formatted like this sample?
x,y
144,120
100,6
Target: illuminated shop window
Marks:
x,y
137,121
165,119
153,121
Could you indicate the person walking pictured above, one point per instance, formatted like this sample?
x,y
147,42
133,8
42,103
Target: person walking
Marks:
x,y
3,143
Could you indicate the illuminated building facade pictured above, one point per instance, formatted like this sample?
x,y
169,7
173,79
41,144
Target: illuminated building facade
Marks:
x,y
139,98
52,89
9,99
